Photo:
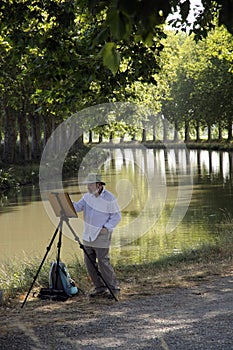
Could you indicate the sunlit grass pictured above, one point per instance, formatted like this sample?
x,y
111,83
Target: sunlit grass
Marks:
x,y
17,276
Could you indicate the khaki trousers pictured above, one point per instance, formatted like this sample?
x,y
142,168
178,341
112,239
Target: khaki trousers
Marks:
x,y
98,252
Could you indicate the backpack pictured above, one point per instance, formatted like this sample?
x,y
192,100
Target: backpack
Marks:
x,y
63,281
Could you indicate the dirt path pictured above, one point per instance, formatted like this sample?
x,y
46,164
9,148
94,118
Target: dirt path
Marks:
x,y
197,317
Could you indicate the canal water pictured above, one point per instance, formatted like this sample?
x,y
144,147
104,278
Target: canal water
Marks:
x,y
170,200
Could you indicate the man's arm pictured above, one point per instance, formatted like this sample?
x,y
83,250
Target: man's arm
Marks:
x,y
113,221
114,216
79,206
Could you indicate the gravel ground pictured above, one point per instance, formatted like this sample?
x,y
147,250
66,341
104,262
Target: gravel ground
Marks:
x,y
199,317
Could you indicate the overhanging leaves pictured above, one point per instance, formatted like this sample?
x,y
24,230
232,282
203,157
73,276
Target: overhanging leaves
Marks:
x,y
111,57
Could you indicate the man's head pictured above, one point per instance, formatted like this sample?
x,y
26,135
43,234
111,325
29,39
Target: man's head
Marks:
x,y
95,187
94,183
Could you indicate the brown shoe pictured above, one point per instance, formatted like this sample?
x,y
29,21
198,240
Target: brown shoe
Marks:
x,y
115,292
98,293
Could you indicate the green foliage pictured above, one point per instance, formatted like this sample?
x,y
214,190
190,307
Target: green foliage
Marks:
x,y
58,57
141,20
53,64
116,128
196,79
14,176
7,179
111,57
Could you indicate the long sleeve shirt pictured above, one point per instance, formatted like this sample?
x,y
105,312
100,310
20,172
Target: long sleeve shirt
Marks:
x,y
98,211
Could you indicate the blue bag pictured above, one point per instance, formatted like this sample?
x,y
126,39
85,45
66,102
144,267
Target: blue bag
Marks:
x,y
64,281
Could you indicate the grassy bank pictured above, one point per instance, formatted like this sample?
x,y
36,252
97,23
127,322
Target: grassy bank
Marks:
x,y
167,272
214,145
14,176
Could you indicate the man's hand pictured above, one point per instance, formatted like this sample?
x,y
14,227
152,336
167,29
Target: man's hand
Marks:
x,y
104,230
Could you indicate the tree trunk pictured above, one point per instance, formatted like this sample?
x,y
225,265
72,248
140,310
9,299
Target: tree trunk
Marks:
x,y
90,140
23,134
122,138
154,133
36,136
143,135
176,131
10,135
100,137
186,131
197,131
209,133
111,137
133,138
164,130
48,128
78,136
229,129
220,131
79,143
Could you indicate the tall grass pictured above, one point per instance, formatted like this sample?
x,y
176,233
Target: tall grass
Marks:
x,y
17,276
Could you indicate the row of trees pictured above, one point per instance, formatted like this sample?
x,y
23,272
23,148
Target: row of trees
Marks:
x,y
58,57
51,67
197,81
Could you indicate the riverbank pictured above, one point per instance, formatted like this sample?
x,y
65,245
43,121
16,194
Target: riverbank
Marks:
x,y
12,176
183,301
193,264
214,145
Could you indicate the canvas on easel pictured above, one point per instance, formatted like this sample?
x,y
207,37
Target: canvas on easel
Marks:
x,y
62,204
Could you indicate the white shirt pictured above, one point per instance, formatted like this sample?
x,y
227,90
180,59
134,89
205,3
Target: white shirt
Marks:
x,y
98,211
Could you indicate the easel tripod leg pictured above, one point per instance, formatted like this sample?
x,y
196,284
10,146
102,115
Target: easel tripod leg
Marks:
x,y
42,262
58,256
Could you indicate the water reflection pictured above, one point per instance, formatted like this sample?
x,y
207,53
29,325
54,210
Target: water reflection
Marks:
x,y
25,226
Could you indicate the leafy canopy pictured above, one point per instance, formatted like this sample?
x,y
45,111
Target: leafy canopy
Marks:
x,y
142,20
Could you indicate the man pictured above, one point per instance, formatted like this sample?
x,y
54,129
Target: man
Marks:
x,y
101,216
